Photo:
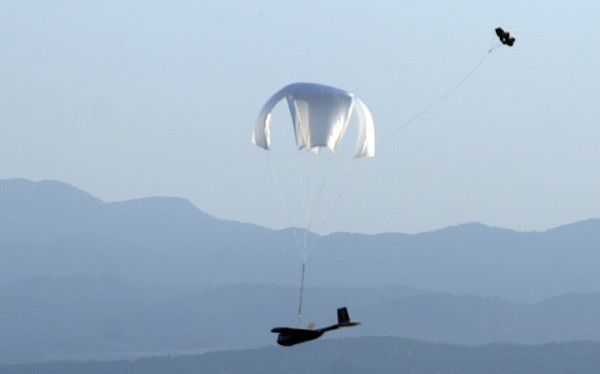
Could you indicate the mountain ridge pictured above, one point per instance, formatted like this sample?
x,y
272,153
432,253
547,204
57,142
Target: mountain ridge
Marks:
x,y
171,240
352,355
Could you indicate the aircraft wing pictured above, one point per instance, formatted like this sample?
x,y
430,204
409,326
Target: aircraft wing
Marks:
x,y
286,330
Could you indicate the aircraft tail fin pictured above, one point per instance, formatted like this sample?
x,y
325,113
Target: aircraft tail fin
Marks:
x,y
344,318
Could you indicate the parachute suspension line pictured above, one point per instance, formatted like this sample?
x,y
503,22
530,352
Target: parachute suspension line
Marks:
x,y
350,170
319,231
283,200
310,217
300,246
311,206
311,211
440,99
314,210
305,244
308,208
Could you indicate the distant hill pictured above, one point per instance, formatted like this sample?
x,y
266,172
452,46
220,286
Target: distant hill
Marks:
x,y
93,316
50,228
356,355
38,211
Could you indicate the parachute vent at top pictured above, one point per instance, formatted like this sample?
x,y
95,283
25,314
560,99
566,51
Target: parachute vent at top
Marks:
x,y
320,116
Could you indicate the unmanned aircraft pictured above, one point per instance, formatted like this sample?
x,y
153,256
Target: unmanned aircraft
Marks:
x,y
289,336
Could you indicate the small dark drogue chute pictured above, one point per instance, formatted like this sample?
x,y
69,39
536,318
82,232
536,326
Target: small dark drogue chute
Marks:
x,y
505,37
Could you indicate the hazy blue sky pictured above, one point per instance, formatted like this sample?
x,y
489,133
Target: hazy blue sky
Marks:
x,y
127,99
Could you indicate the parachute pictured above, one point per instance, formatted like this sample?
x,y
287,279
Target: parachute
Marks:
x,y
505,37
320,116
311,183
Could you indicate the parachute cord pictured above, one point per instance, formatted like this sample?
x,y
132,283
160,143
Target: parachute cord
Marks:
x,y
440,99
301,292
306,245
314,208
284,202
310,220
350,170
310,216
303,245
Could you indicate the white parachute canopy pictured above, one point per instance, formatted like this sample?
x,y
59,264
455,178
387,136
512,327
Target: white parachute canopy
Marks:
x,y
320,116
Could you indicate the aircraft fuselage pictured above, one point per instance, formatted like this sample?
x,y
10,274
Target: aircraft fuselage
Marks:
x,y
290,336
